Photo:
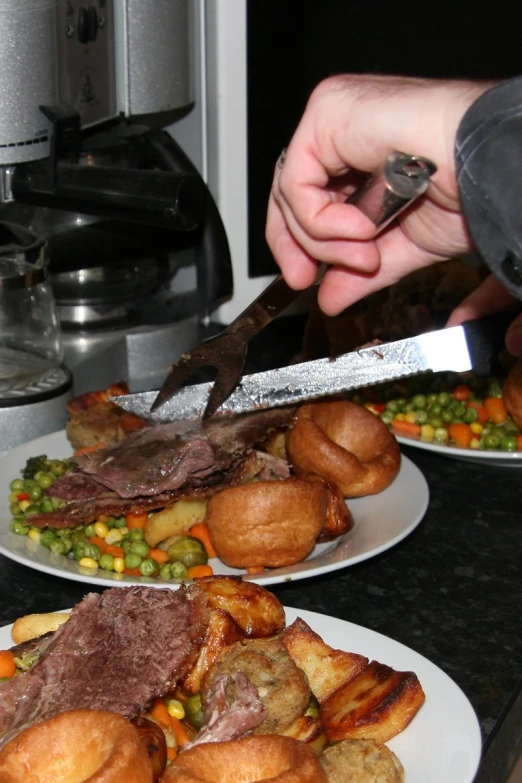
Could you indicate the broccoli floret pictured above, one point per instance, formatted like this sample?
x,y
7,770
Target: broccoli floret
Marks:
x,y
33,465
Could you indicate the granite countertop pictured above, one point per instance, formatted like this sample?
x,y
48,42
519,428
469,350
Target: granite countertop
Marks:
x,y
452,591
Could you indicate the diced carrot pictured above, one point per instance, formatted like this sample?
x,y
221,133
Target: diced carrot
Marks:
x,y
460,433
461,393
132,572
483,415
171,753
159,555
100,543
496,409
202,533
254,569
197,571
115,551
136,519
519,442
88,449
408,429
159,712
7,664
180,731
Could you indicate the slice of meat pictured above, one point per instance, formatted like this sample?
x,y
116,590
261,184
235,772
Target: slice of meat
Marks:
x,y
178,454
117,652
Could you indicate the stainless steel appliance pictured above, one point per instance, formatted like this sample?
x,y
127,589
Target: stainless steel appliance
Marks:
x,y
138,255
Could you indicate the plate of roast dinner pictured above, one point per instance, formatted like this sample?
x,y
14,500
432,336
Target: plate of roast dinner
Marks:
x,y
239,687
272,496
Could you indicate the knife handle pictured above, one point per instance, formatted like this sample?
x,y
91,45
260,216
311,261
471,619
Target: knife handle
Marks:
x,y
485,338
396,184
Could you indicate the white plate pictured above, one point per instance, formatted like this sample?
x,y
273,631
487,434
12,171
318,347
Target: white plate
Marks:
x,y
442,744
500,459
380,521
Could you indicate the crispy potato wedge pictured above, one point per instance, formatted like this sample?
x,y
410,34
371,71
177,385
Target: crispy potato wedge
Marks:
x,y
327,669
377,704
255,610
31,626
222,631
174,520
309,730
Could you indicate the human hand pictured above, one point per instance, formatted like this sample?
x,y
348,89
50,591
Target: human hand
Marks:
x,y
350,125
491,297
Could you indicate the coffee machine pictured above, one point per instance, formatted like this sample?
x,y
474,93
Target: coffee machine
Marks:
x,y
137,253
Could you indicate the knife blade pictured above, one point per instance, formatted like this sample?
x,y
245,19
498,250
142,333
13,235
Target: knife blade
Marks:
x,y
472,346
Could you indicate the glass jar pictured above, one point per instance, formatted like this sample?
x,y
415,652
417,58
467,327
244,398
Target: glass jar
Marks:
x,y
30,334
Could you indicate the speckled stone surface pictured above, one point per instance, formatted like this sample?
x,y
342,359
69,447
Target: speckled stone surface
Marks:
x,y
452,590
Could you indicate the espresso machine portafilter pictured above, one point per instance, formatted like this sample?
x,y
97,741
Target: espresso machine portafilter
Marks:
x,y
87,89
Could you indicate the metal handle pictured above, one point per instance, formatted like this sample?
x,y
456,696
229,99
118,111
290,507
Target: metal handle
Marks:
x,y
396,184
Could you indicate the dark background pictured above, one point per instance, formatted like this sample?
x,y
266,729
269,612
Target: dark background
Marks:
x,y
293,44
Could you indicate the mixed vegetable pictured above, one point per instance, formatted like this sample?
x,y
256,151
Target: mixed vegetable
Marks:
x,y
113,544
446,409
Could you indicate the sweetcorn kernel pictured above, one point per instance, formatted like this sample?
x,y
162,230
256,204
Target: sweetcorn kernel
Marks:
x,y
476,427
427,432
101,529
113,536
88,562
119,565
175,709
34,535
411,416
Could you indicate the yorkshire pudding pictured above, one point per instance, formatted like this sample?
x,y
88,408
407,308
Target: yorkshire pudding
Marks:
x,y
260,758
77,746
266,523
347,443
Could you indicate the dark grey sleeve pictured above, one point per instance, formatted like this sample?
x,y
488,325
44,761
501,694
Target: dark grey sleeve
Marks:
x,y
489,172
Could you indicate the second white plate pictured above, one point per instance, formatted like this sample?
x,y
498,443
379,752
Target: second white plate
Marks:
x,y
499,459
380,522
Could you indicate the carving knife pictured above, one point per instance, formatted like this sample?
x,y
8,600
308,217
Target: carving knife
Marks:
x,y
473,346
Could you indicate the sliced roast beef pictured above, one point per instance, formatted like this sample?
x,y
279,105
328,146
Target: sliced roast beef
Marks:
x,y
117,652
171,456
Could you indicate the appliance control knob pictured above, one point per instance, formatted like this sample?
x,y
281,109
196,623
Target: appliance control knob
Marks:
x,y
87,24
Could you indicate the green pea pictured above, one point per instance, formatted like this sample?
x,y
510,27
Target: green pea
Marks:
x,y
194,711
421,417
89,531
32,509
91,550
106,562
447,416
178,570
17,526
435,410
78,550
420,401
165,571
508,443
47,537
387,417
470,415
394,406
119,522
149,567
35,493
440,435
444,399
133,560
45,480
436,421
14,508
58,467
136,534
78,537
313,708
459,410
46,505
17,485
58,546
431,399
494,389
140,548
491,441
